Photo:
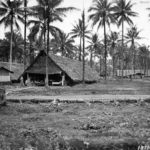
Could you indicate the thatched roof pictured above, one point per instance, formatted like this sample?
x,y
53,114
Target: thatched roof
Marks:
x,y
58,64
3,68
17,69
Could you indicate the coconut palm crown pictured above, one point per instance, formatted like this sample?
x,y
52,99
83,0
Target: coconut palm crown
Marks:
x,y
77,31
94,46
64,44
10,13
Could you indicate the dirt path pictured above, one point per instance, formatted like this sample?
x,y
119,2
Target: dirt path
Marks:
x,y
79,97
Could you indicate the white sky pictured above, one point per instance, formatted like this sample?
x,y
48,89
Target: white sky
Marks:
x,y
142,21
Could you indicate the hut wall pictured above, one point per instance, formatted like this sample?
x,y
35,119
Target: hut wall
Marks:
x,y
4,76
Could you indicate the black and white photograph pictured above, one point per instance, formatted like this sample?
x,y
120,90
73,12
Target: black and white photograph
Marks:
x,y
74,74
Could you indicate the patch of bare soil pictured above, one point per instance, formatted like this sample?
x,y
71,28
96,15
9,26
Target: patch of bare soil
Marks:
x,y
75,126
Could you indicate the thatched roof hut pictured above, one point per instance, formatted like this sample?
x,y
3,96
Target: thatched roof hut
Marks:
x,y
58,65
17,69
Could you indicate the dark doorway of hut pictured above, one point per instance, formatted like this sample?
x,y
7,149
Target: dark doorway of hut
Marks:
x,y
53,79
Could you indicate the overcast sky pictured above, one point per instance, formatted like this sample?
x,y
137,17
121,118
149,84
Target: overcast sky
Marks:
x,y
142,21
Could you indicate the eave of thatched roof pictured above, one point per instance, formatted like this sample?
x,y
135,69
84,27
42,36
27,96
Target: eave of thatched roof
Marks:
x,y
58,64
17,69
3,68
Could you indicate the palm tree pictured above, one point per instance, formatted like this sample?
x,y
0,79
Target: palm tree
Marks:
x,y
102,15
26,13
94,45
49,11
10,13
77,31
64,44
144,57
17,45
112,41
38,31
131,37
123,12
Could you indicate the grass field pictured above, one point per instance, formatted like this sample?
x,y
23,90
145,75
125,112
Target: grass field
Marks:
x,y
77,126
104,125
127,87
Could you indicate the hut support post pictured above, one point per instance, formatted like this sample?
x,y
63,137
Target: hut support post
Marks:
x,y
28,78
28,81
63,79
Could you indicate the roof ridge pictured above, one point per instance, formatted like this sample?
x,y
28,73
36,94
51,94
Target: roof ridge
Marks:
x,y
64,57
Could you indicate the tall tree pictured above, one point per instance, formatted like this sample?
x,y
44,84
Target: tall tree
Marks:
x,y
17,46
83,41
123,13
77,31
131,37
94,45
112,42
64,44
10,13
26,13
102,15
144,57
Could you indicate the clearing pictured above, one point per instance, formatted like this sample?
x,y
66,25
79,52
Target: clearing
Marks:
x,y
77,125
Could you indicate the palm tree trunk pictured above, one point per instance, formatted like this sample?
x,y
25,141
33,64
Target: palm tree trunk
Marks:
x,y
122,48
83,76
113,61
47,50
62,51
25,27
10,57
30,57
133,56
44,34
100,67
91,59
80,49
105,43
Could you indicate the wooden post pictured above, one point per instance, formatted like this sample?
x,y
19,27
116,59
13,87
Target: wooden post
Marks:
x,y
21,81
2,97
28,82
63,79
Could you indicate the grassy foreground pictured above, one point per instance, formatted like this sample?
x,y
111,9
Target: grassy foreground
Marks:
x,y
110,126
114,87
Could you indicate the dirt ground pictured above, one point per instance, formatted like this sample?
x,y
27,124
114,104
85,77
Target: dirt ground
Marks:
x,y
114,87
106,125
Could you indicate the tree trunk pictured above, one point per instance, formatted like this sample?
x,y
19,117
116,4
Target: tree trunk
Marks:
x,y
105,43
25,27
62,51
83,76
91,59
100,67
122,48
113,61
10,56
47,51
45,35
31,57
133,59
134,67
80,49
